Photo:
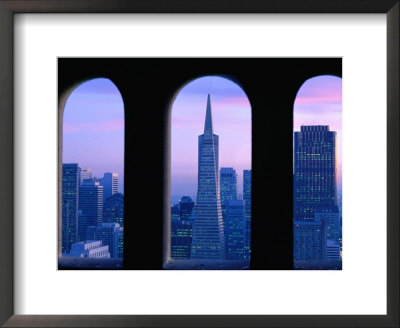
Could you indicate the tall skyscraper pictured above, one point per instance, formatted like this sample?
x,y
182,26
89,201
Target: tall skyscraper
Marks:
x,y
110,185
228,187
247,199
235,227
90,206
314,170
113,209
70,197
208,240
85,173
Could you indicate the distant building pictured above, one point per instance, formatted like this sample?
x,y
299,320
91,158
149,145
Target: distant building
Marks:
x,y
181,239
110,185
85,173
208,240
113,209
235,227
186,206
175,212
110,234
90,248
314,170
228,187
90,206
247,199
70,197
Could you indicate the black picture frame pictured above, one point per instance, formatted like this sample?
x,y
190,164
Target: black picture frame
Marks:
x,y
10,7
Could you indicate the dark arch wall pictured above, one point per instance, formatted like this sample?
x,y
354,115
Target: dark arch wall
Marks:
x,y
148,87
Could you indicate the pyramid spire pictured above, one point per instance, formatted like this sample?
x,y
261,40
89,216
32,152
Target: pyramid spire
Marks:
x,y
208,127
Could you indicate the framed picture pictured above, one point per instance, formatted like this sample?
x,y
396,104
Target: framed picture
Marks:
x,y
62,53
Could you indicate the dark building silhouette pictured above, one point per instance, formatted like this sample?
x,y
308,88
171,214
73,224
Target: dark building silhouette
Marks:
x,y
70,196
113,209
186,205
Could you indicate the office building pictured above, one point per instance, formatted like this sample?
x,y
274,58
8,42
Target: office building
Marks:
x,y
110,234
90,206
208,240
70,197
228,187
85,173
314,170
110,185
113,209
89,249
235,227
181,239
247,200
309,239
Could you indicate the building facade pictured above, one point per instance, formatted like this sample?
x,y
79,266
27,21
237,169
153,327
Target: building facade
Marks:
x,y
110,184
90,206
110,234
228,187
247,199
90,249
235,227
70,198
314,170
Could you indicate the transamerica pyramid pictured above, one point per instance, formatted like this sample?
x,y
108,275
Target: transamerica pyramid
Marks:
x,y
208,231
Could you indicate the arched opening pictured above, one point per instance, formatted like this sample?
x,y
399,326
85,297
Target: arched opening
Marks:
x,y
210,214
92,188
317,179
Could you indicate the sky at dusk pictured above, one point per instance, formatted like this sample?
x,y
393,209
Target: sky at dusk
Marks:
x,y
93,126
319,102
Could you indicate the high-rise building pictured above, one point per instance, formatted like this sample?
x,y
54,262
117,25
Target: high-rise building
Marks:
x,y
113,209
110,234
110,184
235,227
70,197
208,240
314,170
228,187
90,206
247,200
85,173
90,248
